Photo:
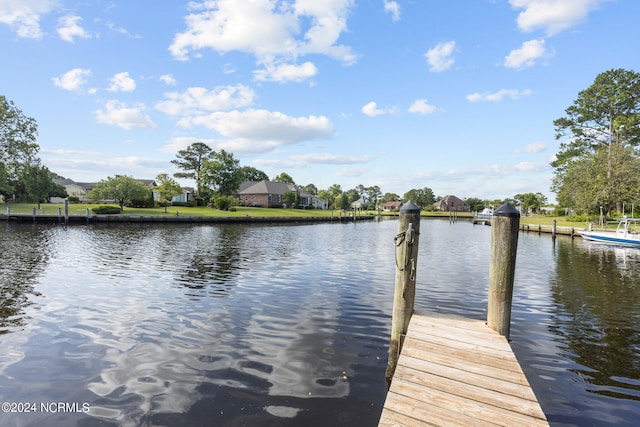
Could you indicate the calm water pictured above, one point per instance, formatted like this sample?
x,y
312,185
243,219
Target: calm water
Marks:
x,y
289,325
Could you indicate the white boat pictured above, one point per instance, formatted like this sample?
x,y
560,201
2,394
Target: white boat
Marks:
x,y
483,217
626,233
486,213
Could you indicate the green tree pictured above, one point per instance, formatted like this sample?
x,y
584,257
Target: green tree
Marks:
x,y
191,162
389,197
284,178
38,184
120,188
579,186
331,194
353,195
250,173
310,189
343,201
18,148
421,197
167,189
290,198
601,123
373,193
530,201
474,203
5,187
222,173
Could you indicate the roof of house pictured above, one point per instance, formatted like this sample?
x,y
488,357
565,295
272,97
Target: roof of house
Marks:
x,y
450,200
265,187
393,203
67,181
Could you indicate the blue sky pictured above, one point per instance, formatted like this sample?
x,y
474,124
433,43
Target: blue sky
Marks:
x,y
458,96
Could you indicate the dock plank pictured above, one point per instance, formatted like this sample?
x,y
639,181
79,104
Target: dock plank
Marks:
x,y
456,371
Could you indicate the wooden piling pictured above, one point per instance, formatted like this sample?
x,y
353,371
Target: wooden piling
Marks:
x,y
406,257
504,244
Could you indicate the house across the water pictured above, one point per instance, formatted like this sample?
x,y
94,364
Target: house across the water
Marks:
x,y
81,190
270,194
393,206
451,204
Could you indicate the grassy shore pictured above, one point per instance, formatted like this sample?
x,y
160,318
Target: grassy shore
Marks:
x,y
80,209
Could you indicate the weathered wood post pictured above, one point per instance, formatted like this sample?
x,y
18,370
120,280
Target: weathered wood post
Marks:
x,y
554,228
406,258
66,211
504,244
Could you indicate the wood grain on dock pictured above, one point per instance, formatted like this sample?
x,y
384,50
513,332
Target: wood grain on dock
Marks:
x,y
454,371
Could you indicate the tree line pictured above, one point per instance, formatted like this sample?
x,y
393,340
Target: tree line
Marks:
x,y
596,170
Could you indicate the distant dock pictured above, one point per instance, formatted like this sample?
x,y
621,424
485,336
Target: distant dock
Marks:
x,y
454,371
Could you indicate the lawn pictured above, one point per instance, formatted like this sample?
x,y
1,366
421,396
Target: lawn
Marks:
x,y
80,209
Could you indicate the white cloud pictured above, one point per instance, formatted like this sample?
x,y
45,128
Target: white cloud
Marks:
x,y
393,8
119,114
286,72
267,125
181,142
552,16
302,160
23,16
68,28
497,96
421,106
197,100
261,130
530,167
72,79
526,55
121,82
371,109
329,159
440,58
167,79
228,68
351,172
93,166
266,29
535,147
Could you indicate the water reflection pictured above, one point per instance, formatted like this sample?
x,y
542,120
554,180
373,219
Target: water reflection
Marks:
x,y
574,329
597,298
23,257
289,325
133,321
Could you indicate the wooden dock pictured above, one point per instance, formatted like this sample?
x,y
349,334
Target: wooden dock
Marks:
x,y
458,372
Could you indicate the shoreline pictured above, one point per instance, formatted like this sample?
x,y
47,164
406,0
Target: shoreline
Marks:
x,y
185,219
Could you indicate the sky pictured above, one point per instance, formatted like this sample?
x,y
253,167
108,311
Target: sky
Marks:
x,y
457,96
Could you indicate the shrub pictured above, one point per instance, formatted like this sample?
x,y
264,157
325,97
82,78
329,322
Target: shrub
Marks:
x,y
106,210
142,203
73,199
189,204
224,202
